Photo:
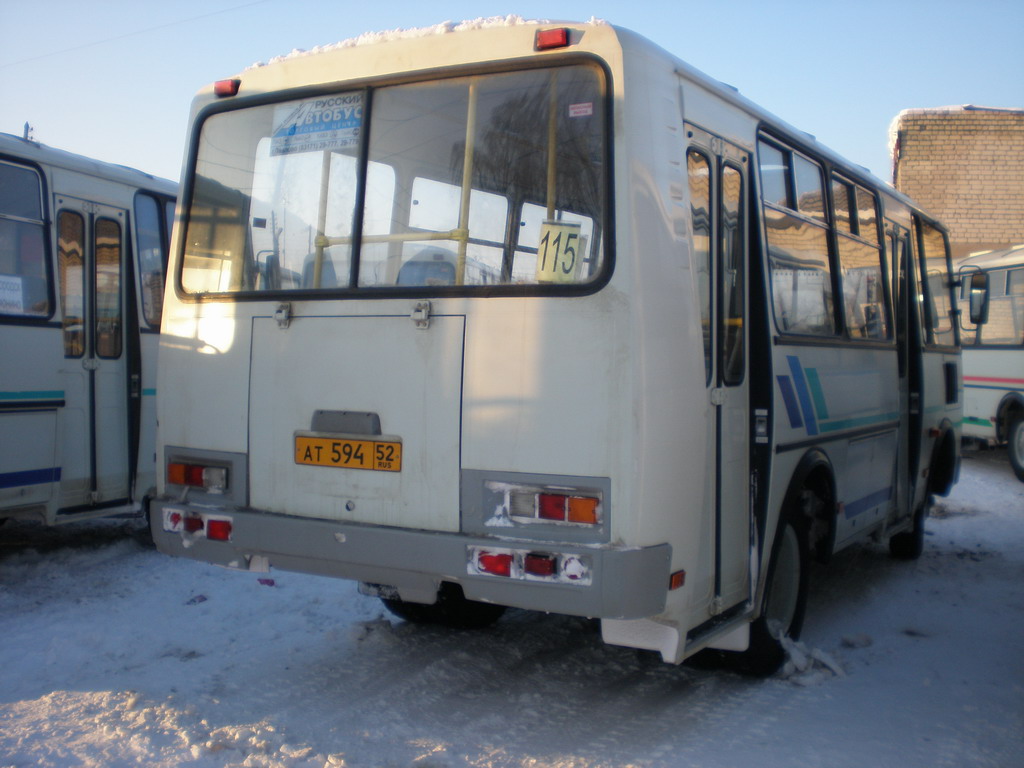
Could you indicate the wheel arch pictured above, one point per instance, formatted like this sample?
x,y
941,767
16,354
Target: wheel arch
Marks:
x,y
814,472
1010,406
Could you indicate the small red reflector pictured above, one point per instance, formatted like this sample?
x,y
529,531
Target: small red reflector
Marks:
x,y
546,39
540,565
499,564
218,530
193,523
676,580
224,88
550,507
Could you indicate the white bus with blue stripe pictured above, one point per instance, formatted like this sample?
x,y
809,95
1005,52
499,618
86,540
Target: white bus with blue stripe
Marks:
x,y
83,252
535,315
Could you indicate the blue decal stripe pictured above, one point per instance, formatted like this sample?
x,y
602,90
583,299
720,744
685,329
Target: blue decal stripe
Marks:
x,y
29,477
802,393
789,398
53,394
870,501
149,393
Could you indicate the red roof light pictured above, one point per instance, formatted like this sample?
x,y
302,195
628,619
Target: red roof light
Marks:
x,y
224,88
546,39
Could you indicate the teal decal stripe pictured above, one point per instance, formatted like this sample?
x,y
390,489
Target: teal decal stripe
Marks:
x,y
860,421
977,422
816,392
149,393
54,394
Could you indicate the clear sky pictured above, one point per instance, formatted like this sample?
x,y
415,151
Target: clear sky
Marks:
x,y
113,79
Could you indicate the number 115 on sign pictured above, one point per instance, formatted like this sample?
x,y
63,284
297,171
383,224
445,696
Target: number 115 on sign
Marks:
x,y
560,252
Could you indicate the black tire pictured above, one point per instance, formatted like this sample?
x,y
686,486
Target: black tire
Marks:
x,y
452,609
1015,446
908,545
782,614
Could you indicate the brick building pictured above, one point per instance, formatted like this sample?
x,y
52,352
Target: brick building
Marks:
x,y
965,165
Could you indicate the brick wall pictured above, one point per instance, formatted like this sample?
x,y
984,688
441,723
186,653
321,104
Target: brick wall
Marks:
x,y
964,165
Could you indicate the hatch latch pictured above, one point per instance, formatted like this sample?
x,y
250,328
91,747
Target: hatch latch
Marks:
x,y
283,315
421,315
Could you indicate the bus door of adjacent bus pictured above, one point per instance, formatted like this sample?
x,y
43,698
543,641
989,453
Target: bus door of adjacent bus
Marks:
x,y
718,186
908,341
93,436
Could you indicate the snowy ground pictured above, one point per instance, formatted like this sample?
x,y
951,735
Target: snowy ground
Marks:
x,y
115,655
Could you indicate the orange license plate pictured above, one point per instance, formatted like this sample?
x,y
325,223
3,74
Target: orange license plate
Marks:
x,y
349,452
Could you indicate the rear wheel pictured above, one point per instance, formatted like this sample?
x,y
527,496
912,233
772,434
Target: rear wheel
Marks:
x,y
452,609
909,545
1015,446
785,602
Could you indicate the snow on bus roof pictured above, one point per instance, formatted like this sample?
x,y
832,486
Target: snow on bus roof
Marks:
x,y
444,28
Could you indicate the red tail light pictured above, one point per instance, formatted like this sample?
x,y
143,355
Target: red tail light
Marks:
x,y
540,565
496,563
550,507
218,530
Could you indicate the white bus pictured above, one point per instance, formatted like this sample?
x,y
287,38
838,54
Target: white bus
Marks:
x,y
539,316
83,252
992,303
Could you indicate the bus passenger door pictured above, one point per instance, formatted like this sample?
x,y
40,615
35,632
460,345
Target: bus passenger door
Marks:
x,y
93,435
908,341
718,179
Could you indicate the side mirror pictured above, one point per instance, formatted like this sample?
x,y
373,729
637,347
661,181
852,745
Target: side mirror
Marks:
x,y
979,298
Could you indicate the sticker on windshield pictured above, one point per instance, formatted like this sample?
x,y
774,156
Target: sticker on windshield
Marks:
x,y
316,125
10,294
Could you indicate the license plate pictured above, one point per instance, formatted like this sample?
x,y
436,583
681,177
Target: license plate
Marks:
x,y
348,452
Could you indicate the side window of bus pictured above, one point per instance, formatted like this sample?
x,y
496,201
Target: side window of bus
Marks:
x,y
936,292
861,261
699,171
792,188
152,250
108,288
71,272
731,235
24,291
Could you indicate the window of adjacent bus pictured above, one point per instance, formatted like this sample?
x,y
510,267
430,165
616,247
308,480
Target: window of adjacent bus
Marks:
x,y
71,276
152,256
861,261
1005,325
23,284
699,171
486,180
936,293
801,274
108,288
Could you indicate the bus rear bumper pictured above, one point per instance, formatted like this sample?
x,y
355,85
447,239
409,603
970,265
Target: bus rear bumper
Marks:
x,y
597,581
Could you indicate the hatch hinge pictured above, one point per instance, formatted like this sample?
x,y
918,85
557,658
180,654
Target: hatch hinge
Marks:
x,y
421,315
283,315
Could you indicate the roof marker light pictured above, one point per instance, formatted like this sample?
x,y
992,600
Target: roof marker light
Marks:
x,y
223,88
546,39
